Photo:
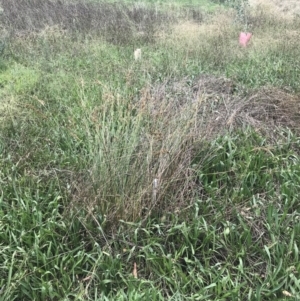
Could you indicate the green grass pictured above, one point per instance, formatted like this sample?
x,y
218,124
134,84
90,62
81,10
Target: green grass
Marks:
x,y
86,131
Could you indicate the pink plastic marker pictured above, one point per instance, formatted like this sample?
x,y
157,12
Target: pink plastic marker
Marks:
x,y
245,38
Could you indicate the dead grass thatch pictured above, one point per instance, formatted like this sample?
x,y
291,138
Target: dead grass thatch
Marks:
x,y
223,106
264,110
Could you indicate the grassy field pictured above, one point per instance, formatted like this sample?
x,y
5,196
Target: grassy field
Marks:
x,y
171,177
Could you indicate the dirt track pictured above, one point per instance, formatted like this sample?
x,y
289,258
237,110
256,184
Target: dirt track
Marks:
x,y
285,7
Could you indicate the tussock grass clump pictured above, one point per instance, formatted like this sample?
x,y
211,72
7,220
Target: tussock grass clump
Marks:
x,y
155,133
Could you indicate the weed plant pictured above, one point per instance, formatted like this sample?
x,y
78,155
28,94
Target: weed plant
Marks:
x,y
157,179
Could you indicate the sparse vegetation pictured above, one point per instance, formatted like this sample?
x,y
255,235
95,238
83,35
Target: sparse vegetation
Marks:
x,y
170,177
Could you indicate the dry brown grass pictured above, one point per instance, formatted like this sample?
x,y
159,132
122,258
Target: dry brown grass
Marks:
x,y
117,22
215,40
264,110
220,108
193,34
282,8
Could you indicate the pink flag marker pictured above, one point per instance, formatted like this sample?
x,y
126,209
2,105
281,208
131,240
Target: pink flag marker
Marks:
x,y
244,38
